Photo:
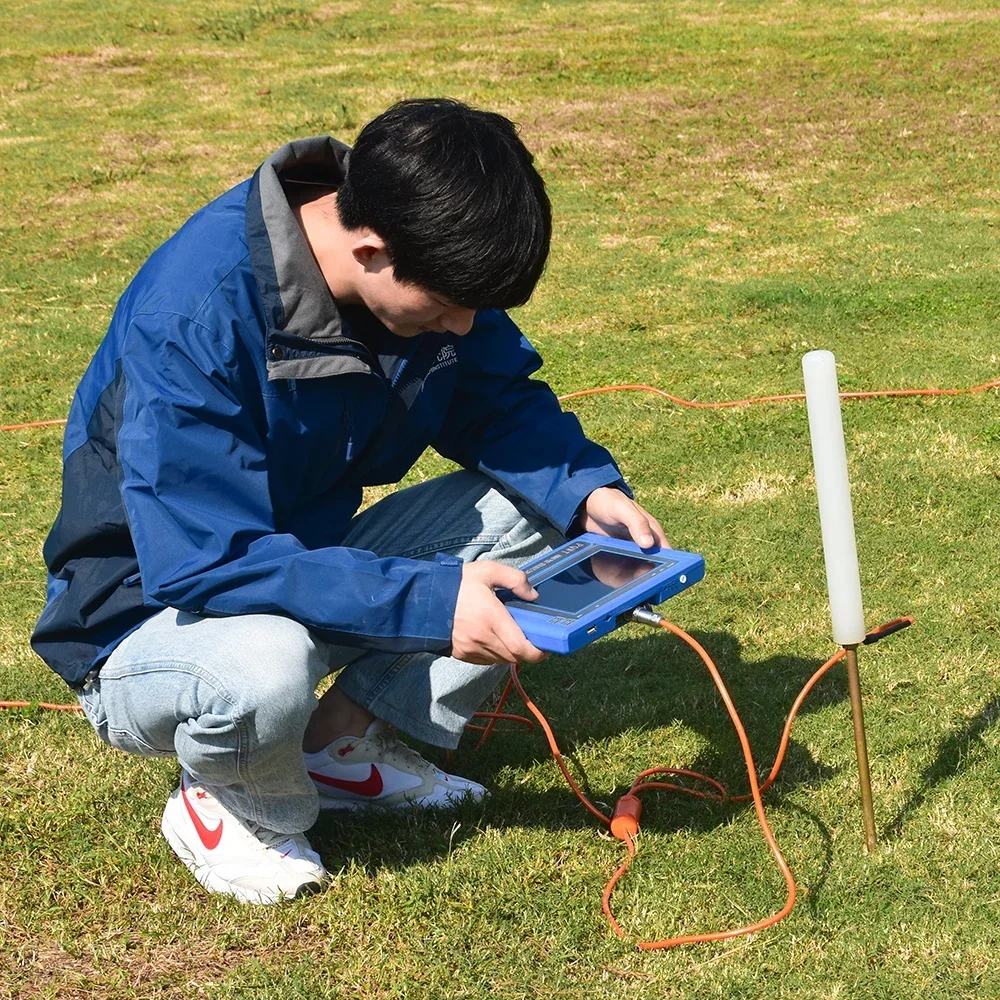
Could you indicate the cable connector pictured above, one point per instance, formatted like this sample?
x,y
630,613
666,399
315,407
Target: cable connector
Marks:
x,y
625,820
896,625
646,616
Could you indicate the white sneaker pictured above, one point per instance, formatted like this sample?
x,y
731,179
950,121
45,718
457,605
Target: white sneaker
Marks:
x,y
377,769
233,856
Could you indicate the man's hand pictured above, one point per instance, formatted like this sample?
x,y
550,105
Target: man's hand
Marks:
x,y
608,511
483,631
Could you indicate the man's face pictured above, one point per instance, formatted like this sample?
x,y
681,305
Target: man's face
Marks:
x,y
408,310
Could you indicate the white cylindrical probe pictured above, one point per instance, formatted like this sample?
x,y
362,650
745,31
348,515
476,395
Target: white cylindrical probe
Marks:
x,y
833,489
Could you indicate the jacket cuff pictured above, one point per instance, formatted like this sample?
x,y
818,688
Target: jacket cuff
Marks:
x,y
574,491
441,597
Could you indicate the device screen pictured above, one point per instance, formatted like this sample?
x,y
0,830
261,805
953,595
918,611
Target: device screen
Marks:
x,y
586,582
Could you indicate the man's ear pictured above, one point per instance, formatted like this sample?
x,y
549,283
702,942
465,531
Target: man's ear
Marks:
x,y
370,252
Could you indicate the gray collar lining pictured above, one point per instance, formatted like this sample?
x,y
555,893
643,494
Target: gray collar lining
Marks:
x,y
308,309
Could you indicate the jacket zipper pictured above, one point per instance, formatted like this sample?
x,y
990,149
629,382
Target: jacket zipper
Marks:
x,y
402,365
349,452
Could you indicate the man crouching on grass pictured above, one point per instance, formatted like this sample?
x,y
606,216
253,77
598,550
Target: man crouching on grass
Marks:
x,y
307,334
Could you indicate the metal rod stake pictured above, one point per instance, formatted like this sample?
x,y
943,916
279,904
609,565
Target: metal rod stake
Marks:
x,y
861,744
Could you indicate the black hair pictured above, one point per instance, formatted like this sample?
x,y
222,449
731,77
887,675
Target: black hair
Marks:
x,y
453,193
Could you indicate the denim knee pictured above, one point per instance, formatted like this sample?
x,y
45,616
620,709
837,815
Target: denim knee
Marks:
x,y
278,693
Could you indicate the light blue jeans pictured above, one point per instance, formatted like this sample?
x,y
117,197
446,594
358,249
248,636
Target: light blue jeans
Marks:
x,y
230,697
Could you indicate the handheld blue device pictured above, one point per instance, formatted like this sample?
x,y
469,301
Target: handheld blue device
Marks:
x,y
590,585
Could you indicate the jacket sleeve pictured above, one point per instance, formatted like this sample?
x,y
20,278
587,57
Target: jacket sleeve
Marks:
x,y
512,428
196,494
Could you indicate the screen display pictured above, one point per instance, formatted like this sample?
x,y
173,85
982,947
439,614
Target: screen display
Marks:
x,y
590,580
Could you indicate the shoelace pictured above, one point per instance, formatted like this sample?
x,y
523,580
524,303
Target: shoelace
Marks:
x,y
269,838
389,745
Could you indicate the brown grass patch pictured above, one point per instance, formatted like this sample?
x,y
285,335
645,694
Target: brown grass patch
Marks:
x,y
105,236
762,488
120,147
174,970
899,18
610,241
109,57
966,460
328,10
760,262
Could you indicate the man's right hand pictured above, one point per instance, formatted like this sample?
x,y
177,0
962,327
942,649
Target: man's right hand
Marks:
x,y
483,631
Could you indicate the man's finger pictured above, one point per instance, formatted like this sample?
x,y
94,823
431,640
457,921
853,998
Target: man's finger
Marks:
x,y
503,577
495,651
513,639
640,530
661,535
490,651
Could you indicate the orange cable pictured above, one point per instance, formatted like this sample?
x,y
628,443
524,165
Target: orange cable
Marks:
x,y
554,747
680,401
640,785
33,423
51,706
495,716
718,792
761,819
498,713
789,397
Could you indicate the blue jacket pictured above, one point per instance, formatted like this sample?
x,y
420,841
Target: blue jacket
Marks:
x,y
219,441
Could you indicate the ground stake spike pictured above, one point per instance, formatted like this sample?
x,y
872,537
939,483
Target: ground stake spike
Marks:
x,y
861,744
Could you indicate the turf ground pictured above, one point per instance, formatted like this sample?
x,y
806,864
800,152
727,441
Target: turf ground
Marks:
x,y
734,184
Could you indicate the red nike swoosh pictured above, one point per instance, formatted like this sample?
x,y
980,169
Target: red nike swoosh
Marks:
x,y
371,786
210,838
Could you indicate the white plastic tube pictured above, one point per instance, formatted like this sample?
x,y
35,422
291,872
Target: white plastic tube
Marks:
x,y
834,491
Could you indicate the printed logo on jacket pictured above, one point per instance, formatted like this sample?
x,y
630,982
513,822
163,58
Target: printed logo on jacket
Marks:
x,y
446,356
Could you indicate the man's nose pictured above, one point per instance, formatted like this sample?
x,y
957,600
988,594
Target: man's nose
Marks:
x,y
459,321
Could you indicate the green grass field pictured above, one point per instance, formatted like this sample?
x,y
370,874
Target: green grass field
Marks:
x,y
734,183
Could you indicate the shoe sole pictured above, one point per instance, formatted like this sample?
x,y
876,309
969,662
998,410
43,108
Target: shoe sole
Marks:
x,y
212,883
399,803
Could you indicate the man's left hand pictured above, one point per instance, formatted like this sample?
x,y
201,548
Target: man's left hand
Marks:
x,y
608,511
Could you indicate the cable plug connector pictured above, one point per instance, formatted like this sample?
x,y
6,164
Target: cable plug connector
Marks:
x,y
625,819
896,625
646,616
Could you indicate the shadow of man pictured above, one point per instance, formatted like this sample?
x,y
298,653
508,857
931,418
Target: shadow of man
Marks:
x,y
628,686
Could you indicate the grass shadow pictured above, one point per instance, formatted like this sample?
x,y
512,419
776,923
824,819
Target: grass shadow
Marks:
x,y
639,685
949,762
627,688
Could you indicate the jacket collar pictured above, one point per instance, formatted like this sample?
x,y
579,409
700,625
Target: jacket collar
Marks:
x,y
305,333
